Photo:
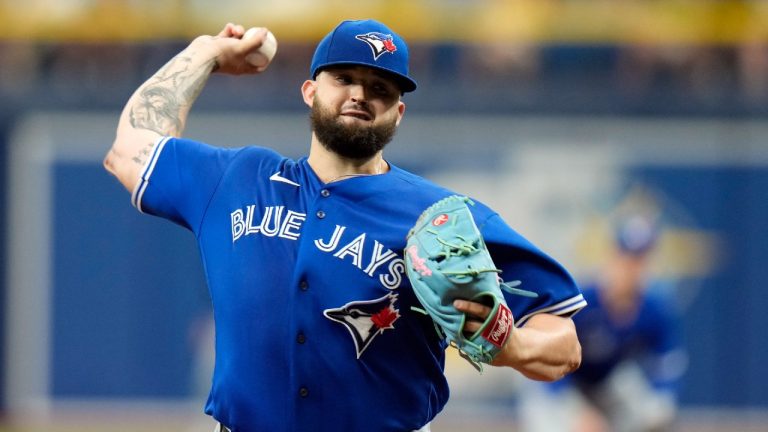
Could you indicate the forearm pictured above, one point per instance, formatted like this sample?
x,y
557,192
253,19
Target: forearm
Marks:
x,y
159,107
162,103
545,349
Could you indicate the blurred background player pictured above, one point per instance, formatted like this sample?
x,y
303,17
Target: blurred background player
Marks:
x,y
632,350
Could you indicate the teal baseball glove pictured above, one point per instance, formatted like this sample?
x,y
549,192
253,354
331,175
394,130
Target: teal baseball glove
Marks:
x,y
446,259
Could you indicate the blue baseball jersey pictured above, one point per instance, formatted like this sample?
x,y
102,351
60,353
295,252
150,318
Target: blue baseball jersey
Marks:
x,y
314,327
651,338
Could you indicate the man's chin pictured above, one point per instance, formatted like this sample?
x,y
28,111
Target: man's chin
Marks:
x,y
350,136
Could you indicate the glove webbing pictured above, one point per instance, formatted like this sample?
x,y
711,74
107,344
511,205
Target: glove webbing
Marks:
x,y
467,248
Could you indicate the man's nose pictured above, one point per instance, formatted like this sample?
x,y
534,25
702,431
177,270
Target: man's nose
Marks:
x,y
357,93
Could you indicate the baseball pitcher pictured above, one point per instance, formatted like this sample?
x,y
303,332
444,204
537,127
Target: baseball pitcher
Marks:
x,y
313,264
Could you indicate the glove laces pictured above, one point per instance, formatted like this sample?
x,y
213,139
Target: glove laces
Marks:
x,y
483,355
464,248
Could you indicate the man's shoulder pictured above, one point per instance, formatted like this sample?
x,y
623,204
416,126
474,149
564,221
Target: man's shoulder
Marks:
x,y
257,152
232,161
421,186
427,192
249,151
253,157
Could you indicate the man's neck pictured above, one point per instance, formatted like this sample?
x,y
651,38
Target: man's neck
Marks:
x,y
330,167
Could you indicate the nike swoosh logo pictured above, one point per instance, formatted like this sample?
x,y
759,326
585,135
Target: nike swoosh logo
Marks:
x,y
278,178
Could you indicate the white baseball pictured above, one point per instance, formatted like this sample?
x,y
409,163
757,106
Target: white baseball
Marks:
x,y
264,54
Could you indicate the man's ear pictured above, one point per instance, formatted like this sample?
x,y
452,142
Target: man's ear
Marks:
x,y
400,112
308,90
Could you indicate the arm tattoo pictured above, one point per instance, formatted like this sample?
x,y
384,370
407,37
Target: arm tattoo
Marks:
x,y
143,155
163,103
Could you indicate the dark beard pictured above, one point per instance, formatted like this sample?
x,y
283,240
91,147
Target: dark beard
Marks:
x,y
349,141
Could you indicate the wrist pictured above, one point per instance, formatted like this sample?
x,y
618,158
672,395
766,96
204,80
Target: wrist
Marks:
x,y
511,353
204,51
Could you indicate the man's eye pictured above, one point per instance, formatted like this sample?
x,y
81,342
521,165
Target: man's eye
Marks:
x,y
381,89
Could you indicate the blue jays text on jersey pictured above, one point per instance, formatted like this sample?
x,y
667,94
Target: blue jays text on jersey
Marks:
x,y
314,328
273,224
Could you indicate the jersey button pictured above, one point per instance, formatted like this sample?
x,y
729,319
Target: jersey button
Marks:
x,y
303,392
303,285
325,193
300,338
320,214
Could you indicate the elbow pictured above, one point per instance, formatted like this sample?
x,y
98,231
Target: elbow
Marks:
x,y
569,363
559,373
129,152
112,158
116,164
574,361
109,162
573,353
113,162
555,372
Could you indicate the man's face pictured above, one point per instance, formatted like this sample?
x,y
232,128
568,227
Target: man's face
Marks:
x,y
355,111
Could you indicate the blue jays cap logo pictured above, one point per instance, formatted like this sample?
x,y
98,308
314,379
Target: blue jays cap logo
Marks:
x,y
380,43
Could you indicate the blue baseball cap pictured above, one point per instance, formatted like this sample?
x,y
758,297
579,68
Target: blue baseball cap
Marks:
x,y
365,43
637,235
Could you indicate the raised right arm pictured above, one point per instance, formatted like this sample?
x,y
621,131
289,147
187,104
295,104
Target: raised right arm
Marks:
x,y
160,106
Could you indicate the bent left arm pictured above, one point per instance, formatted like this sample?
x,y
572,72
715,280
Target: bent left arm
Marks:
x,y
545,349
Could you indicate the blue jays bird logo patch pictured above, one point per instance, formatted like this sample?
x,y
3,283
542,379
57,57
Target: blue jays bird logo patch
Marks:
x,y
380,43
366,319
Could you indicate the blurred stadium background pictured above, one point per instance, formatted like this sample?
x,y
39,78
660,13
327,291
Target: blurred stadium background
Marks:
x,y
565,107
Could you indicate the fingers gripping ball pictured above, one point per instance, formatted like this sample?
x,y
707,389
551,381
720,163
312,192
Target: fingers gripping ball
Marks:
x,y
447,259
264,54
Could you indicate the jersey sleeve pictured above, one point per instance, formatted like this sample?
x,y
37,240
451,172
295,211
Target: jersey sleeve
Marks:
x,y
522,261
179,180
